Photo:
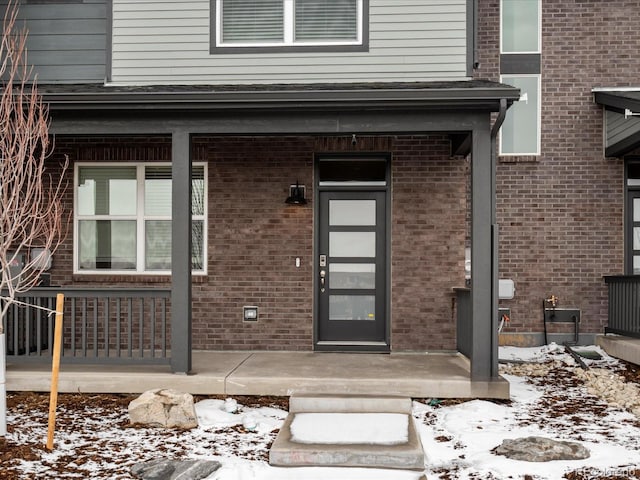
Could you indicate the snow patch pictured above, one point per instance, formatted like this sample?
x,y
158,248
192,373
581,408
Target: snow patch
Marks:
x,y
350,428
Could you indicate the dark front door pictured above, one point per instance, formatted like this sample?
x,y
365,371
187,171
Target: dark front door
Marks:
x,y
351,270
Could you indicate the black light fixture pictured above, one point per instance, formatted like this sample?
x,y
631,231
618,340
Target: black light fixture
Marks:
x,y
296,195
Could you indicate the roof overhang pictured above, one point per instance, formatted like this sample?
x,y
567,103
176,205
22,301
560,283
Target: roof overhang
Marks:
x,y
463,95
621,119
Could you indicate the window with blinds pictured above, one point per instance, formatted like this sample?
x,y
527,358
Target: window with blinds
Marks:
x,y
122,218
288,22
332,20
252,21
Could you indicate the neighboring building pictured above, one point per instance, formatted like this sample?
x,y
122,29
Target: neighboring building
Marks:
x,y
386,111
567,156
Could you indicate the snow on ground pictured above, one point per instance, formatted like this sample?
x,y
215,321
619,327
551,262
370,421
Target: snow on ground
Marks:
x,y
350,428
458,436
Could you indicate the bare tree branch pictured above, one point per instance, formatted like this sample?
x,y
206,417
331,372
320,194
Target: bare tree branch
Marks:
x,y
31,210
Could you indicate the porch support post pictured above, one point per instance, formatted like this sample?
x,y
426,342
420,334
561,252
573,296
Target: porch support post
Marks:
x,y
181,252
484,258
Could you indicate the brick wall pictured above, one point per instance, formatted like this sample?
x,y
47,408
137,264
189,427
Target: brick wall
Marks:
x,y
561,214
428,237
254,238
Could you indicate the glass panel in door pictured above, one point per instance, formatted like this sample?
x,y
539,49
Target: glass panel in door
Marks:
x,y
351,267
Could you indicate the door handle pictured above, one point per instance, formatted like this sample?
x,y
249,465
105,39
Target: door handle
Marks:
x,y
323,275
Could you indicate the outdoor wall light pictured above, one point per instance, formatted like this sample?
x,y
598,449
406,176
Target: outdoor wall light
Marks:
x,y
250,314
296,195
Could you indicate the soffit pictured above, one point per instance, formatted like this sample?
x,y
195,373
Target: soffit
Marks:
x,y
621,119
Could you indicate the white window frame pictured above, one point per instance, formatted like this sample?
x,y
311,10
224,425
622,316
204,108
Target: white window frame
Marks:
x,y
140,217
289,29
539,49
504,79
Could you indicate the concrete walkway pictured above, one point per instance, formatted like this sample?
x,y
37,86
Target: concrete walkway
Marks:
x,y
275,373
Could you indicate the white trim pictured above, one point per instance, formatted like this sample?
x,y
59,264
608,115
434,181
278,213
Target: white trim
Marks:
x,y
289,40
538,113
615,89
140,218
539,50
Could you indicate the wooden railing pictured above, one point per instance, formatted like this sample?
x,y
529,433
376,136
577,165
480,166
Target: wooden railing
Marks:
x,y
107,325
624,305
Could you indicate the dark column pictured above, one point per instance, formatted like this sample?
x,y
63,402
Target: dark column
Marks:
x,y
484,258
181,252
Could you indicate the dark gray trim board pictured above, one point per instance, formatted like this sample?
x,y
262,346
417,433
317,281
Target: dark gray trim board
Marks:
x,y
262,123
618,99
520,63
108,64
621,135
472,37
466,95
181,252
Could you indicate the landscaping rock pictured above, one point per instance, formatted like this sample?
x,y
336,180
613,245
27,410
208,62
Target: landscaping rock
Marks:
x,y
163,469
164,408
612,388
541,449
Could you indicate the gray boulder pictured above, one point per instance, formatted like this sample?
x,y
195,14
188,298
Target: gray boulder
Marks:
x,y
164,408
163,469
540,449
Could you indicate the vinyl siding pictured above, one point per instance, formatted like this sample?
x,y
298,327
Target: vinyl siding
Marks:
x,y
168,41
67,41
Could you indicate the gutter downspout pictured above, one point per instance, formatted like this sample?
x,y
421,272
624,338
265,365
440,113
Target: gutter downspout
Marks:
x,y
476,54
502,113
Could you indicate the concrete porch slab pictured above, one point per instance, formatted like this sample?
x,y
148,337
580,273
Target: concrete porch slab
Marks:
x,y
209,373
408,375
417,375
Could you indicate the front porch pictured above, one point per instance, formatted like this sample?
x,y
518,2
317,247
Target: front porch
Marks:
x,y
416,375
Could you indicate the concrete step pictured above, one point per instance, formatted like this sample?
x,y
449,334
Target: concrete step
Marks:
x,y
349,404
289,452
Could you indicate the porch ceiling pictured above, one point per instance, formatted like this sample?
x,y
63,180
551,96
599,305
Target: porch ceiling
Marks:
x,y
622,119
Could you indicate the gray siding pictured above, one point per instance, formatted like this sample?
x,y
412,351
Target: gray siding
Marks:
x,y
67,40
167,41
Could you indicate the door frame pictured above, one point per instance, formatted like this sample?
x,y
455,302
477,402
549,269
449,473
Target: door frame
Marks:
x,y
378,347
630,192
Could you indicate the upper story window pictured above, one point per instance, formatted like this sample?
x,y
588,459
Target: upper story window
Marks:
x,y
520,66
520,26
520,132
122,218
287,24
